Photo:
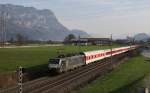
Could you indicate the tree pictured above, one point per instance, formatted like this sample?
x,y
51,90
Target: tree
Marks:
x,y
20,39
11,40
69,38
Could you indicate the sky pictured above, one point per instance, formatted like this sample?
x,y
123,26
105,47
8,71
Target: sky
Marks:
x,y
99,18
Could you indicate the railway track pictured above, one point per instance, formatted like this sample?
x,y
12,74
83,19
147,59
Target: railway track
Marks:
x,y
60,82
42,84
67,84
14,89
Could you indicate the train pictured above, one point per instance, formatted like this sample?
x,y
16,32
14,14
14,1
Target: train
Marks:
x,y
64,63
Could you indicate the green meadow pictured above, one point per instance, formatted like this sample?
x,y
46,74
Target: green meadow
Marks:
x,y
127,73
10,58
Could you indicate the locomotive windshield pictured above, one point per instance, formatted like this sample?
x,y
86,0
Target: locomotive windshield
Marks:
x,y
54,61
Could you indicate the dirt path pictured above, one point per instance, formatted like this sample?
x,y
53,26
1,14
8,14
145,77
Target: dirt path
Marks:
x,y
28,46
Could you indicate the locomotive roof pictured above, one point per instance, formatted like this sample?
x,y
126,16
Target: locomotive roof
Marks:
x,y
76,55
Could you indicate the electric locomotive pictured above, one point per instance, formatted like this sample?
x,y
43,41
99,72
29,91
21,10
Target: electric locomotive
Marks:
x,y
62,64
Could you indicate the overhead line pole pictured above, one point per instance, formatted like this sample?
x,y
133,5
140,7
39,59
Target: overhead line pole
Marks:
x,y
79,43
4,28
3,38
1,27
20,79
111,60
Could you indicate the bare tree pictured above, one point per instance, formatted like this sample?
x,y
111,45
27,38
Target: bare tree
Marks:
x,y
20,39
68,38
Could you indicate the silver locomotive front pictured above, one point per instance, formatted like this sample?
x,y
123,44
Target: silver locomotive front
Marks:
x,y
54,64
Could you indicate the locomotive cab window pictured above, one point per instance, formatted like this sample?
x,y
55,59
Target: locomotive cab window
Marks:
x,y
54,61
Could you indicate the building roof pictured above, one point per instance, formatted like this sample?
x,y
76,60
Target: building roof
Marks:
x,y
96,38
91,40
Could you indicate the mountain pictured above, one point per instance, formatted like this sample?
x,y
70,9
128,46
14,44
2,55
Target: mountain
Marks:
x,y
141,37
33,24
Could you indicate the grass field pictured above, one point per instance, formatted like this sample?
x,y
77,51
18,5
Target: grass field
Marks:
x,y
10,58
125,74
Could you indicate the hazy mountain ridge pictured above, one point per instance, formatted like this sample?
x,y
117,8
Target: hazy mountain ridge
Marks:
x,y
141,37
80,33
34,24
